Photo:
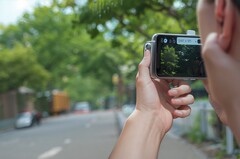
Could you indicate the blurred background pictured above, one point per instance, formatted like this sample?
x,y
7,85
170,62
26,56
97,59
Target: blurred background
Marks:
x,y
67,78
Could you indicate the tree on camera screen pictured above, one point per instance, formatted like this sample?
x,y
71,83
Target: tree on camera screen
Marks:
x,y
179,60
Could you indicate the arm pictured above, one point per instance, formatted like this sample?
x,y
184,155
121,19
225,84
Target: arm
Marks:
x,y
156,107
140,137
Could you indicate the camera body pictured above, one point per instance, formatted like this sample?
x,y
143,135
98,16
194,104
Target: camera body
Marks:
x,y
176,56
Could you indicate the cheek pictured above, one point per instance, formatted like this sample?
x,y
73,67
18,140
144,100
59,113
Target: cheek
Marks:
x,y
206,19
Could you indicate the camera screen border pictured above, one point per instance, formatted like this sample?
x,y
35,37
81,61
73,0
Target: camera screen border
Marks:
x,y
158,59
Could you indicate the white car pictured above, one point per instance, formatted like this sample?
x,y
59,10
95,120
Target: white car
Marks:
x,y
82,107
26,119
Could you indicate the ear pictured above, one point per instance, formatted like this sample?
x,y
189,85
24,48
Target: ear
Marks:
x,y
225,16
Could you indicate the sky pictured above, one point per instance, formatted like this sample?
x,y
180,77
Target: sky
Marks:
x,y
12,10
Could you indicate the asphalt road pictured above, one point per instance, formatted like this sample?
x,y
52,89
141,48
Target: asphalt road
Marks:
x,y
85,136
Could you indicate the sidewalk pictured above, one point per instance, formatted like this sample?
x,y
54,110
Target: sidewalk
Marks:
x,y
172,147
6,125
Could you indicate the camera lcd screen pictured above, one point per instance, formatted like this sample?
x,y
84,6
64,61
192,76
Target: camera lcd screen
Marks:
x,y
179,56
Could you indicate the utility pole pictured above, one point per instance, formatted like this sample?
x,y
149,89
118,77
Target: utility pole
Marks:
x,y
230,141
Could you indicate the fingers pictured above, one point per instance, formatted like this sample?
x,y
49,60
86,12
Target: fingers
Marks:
x,y
181,99
213,54
186,100
184,88
181,95
143,68
182,112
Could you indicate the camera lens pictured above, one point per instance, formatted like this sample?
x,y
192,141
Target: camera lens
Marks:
x,y
165,40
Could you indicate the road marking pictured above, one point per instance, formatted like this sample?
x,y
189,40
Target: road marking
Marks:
x,y
54,151
67,141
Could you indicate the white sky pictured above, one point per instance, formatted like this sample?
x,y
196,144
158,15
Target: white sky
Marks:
x,y
11,10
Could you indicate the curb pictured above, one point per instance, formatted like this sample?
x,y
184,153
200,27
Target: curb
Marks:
x,y
120,121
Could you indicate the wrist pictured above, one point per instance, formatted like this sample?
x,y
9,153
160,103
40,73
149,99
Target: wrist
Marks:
x,y
141,136
150,120
145,134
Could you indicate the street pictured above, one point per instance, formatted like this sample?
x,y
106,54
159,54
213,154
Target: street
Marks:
x,y
72,136
83,136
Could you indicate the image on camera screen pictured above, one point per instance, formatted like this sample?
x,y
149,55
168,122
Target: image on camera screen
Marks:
x,y
179,56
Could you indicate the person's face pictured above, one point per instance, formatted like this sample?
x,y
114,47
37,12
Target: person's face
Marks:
x,y
206,18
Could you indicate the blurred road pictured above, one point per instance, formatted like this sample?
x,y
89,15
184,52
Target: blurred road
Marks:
x,y
85,136
82,136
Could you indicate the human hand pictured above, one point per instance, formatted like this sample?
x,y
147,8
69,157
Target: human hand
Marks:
x,y
156,96
156,107
223,78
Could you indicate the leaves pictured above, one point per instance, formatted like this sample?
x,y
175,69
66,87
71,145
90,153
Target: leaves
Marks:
x,y
19,67
78,47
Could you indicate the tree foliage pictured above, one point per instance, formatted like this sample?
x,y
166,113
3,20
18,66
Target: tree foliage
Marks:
x,y
129,24
138,17
65,52
19,67
169,61
83,45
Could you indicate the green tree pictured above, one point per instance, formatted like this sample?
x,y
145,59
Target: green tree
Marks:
x,y
19,67
129,24
61,37
66,52
169,60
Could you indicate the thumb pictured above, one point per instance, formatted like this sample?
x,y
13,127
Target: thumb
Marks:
x,y
143,68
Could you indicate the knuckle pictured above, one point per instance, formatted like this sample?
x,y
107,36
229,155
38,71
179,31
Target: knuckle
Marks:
x,y
140,66
139,81
207,51
137,76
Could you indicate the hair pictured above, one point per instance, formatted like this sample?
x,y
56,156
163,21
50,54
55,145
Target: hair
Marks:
x,y
237,3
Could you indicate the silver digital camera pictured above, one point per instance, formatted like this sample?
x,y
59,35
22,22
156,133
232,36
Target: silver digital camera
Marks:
x,y
176,56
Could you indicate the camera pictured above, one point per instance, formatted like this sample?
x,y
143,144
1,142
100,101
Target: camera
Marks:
x,y
175,56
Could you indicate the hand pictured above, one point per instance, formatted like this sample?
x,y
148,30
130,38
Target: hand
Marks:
x,y
223,79
156,107
155,95
216,105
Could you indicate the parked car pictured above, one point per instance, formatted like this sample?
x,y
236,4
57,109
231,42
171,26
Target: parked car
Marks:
x,y
81,107
27,119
